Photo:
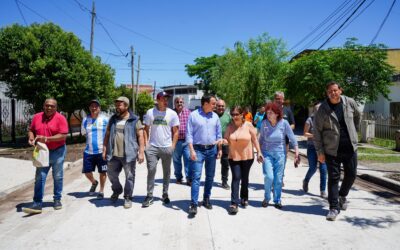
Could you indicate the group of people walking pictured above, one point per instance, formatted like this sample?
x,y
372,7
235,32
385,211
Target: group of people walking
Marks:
x,y
201,137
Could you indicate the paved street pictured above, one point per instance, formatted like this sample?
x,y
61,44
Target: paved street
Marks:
x,y
370,222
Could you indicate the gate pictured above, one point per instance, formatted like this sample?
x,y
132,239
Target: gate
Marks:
x,y
15,118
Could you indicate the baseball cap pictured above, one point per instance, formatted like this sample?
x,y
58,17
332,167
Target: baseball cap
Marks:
x,y
94,101
162,94
123,99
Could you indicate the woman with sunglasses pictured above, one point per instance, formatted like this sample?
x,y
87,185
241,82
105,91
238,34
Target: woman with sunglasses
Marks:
x,y
274,129
242,138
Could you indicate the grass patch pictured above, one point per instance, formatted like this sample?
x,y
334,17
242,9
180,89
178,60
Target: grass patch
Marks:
x,y
391,144
376,151
379,158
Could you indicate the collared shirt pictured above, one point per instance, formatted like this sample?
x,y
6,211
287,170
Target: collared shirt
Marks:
x,y
225,119
57,124
95,130
203,128
183,118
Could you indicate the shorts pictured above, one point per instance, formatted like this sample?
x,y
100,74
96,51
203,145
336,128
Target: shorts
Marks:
x,y
91,161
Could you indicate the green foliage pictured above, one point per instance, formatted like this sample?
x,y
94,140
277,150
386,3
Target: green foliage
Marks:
x,y
361,70
202,70
144,102
251,72
42,61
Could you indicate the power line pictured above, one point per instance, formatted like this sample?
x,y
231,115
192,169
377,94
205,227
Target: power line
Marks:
x,y
109,36
331,25
33,11
334,13
20,12
383,22
337,30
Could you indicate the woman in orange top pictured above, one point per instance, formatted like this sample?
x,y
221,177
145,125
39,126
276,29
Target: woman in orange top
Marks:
x,y
241,137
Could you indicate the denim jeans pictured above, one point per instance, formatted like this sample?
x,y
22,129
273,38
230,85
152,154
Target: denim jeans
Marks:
x,y
240,175
349,161
209,157
181,150
115,166
273,167
312,162
56,162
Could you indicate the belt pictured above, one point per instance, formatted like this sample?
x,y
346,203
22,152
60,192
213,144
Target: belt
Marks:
x,y
204,146
181,139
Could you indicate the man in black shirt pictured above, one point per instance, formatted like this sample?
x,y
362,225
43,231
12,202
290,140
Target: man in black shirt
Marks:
x,y
335,141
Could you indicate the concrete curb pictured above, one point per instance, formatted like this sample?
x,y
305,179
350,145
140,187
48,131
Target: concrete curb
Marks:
x,y
9,192
381,182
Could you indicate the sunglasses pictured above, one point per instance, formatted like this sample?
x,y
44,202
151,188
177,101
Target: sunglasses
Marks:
x,y
235,114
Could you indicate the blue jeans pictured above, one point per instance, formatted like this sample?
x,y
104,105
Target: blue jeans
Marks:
x,y
181,149
56,162
273,167
209,156
312,162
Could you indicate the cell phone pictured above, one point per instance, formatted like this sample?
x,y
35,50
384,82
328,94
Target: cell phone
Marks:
x,y
297,161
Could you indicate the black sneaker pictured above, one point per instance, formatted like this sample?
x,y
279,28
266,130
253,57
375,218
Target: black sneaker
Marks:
x,y
127,203
114,197
36,208
179,181
225,185
100,196
233,209
305,186
278,205
332,214
264,203
189,182
93,188
244,203
193,209
57,204
206,203
343,203
165,199
147,201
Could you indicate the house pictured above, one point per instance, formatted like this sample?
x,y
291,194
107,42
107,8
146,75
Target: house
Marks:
x,y
382,106
190,94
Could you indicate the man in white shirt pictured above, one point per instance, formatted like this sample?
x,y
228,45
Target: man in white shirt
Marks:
x,y
161,126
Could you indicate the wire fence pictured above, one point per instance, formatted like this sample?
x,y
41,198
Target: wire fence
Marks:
x,y
385,125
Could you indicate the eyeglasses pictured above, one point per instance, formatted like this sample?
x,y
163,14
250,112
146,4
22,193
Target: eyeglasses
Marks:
x,y
235,114
178,102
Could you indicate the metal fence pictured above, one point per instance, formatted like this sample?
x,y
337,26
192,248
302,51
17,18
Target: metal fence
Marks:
x,y
385,125
15,118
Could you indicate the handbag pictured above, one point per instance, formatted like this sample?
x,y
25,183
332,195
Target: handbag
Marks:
x,y
40,155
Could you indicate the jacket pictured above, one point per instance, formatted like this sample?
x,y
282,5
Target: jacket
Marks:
x,y
327,127
130,139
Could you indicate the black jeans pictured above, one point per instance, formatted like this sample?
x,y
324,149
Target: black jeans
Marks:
x,y
349,161
225,163
240,172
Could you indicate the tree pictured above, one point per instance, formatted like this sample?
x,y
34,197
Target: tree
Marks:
x,y
144,102
250,73
202,70
362,71
42,61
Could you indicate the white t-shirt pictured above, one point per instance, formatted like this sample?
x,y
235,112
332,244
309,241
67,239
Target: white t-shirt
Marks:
x,y
161,123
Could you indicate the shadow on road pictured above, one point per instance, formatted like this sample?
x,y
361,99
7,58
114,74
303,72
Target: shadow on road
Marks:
x,y
364,223
80,195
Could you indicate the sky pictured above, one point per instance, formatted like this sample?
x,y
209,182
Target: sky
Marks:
x,y
169,34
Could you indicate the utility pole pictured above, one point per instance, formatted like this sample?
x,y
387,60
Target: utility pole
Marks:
x,y
133,78
154,89
137,79
92,30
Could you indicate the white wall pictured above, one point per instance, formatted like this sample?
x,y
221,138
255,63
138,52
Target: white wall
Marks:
x,y
382,105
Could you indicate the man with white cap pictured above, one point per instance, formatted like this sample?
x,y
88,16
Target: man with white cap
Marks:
x,y
161,126
123,145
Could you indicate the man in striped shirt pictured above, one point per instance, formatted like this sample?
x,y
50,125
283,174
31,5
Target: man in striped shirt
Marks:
x,y
94,126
